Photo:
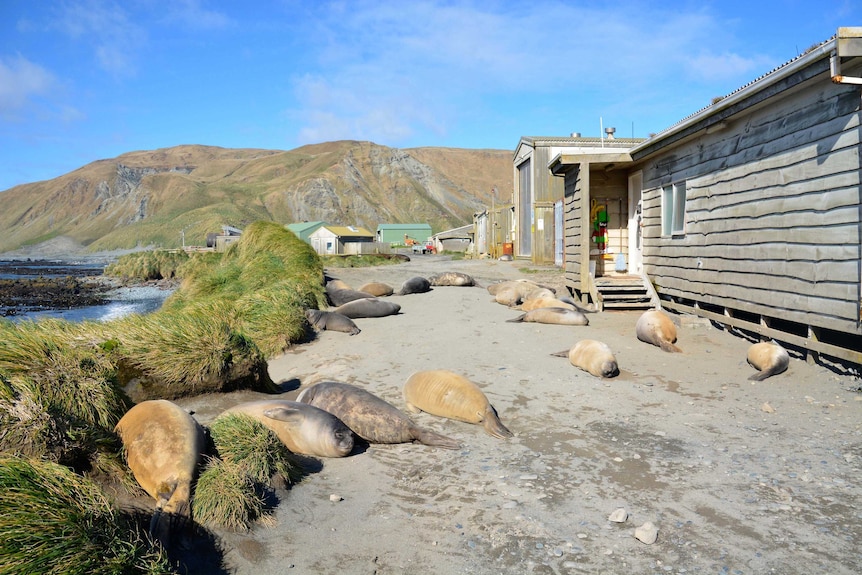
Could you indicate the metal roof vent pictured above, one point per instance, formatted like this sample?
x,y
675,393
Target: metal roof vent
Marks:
x,y
610,133
576,135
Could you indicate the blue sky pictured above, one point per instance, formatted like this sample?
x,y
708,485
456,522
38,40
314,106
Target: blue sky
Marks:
x,y
92,79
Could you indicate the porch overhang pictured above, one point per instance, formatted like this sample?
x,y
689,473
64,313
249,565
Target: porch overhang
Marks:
x,y
561,163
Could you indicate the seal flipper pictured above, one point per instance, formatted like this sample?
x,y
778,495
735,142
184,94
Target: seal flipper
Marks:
x,y
564,353
492,424
668,347
286,414
432,438
773,370
520,318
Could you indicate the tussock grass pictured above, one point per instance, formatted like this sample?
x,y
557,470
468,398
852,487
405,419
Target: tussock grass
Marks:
x,y
363,261
54,521
225,496
242,440
149,265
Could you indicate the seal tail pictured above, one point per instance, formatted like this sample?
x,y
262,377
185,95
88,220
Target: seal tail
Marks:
x,y
493,426
669,347
564,353
434,439
518,319
774,370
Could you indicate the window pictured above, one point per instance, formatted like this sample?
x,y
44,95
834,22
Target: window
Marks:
x,y
673,209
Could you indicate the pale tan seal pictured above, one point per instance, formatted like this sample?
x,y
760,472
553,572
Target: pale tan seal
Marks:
x,y
368,307
526,284
331,321
768,358
452,279
544,301
302,428
655,327
377,289
553,315
164,446
370,417
447,394
592,356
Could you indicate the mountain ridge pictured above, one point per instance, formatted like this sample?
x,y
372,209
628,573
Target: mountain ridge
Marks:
x,y
165,196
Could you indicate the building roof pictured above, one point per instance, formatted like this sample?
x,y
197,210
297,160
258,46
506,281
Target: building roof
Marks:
x,y
298,227
403,226
349,232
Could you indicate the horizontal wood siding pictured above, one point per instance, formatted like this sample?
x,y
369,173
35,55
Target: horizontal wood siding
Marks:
x,y
573,213
773,205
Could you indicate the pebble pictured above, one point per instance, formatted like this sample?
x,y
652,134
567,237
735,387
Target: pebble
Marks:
x,y
647,533
766,408
336,498
619,515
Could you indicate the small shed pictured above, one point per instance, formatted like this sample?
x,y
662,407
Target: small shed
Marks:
x,y
454,240
397,233
337,240
228,236
303,230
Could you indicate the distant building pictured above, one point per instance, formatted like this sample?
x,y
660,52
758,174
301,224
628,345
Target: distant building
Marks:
x,y
338,240
303,230
454,240
398,233
220,242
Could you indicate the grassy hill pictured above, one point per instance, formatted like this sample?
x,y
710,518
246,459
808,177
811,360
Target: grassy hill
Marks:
x,y
150,198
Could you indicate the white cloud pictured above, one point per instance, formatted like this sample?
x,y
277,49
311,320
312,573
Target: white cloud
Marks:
x,y
20,81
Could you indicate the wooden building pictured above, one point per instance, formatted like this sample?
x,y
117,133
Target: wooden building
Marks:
x,y
303,230
343,240
396,234
538,194
751,207
492,231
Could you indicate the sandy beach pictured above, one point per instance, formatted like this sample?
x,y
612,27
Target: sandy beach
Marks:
x,y
738,477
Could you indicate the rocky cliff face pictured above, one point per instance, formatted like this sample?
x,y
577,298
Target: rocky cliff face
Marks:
x,y
145,198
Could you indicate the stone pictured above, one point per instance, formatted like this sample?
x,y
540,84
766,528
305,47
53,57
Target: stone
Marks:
x,y
647,533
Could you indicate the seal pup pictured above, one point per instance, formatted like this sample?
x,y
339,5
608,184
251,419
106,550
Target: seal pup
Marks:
x,y
592,356
768,358
415,285
341,296
368,307
370,417
163,445
553,315
332,321
377,289
495,287
545,301
452,279
302,428
447,394
657,328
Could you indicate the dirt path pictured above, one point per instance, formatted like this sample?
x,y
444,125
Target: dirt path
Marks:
x,y
738,477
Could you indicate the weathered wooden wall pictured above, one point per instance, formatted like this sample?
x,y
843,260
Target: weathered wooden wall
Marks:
x,y
573,217
772,224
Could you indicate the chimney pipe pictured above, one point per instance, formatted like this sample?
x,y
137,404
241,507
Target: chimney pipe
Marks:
x,y
610,133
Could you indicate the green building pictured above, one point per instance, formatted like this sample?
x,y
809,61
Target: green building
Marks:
x,y
303,230
398,233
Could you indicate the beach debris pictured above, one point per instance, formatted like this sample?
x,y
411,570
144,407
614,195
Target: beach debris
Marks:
x,y
647,533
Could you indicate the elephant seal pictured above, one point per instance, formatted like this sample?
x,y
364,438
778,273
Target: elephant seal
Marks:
x,y
544,301
377,289
368,307
452,279
768,358
339,297
302,428
448,394
415,285
657,328
332,321
336,284
553,315
164,445
592,356
520,283
370,417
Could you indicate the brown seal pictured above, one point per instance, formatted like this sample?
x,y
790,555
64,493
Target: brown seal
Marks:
x,y
592,356
553,315
303,428
415,285
768,358
657,328
532,303
164,445
377,289
452,279
370,417
339,297
368,307
448,394
332,321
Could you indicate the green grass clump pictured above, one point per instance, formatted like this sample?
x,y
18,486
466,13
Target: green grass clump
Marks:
x,y
149,265
54,521
226,496
357,261
242,440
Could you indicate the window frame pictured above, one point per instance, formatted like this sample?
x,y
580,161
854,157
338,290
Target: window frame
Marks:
x,y
672,222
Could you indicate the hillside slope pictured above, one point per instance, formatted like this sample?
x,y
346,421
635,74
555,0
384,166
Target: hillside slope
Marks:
x,y
167,196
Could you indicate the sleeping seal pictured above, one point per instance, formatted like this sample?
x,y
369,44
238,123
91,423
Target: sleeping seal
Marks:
x,y
592,356
368,307
657,328
544,301
451,279
553,315
377,289
370,417
164,445
339,297
302,428
447,394
332,321
768,358
415,285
